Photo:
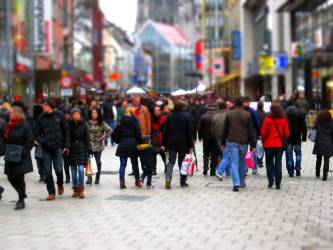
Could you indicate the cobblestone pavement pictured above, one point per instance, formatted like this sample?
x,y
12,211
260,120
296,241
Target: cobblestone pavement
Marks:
x,y
207,215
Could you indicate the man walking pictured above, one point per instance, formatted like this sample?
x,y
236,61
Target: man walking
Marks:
x,y
237,134
298,133
53,135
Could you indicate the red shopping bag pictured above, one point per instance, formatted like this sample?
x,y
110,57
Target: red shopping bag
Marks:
x,y
249,158
188,165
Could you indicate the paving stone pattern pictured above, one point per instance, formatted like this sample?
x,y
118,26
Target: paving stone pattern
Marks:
x,y
207,215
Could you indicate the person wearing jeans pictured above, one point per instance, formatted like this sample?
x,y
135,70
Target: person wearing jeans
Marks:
x,y
274,134
291,165
238,133
78,175
122,170
55,159
224,165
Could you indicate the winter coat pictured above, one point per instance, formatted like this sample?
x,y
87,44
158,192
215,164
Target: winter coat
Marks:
x,y
147,155
218,124
52,131
303,105
197,112
178,131
262,115
80,143
269,134
205,125
130,137
108,113
297,125
324,139
143,116
238,128
21,135
255,119
157,128
98,133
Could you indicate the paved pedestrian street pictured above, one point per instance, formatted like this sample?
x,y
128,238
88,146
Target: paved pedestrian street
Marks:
x,y
207,215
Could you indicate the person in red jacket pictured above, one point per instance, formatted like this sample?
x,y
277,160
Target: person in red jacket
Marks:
x,y
274,134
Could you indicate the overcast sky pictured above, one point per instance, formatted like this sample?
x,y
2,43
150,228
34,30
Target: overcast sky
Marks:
x,y
121,12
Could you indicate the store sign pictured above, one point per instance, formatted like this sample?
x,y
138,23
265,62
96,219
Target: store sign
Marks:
x,y
66,82
66,92
236,45
218,66
297,49
281,62
267,65
43,26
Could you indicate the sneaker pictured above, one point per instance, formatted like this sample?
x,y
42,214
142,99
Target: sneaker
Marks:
x,y
235,188
61,190
51,197
151,187
219,177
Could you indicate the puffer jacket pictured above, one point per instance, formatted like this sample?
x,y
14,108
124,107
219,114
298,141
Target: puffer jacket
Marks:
x,y
80,143
98,133
52,131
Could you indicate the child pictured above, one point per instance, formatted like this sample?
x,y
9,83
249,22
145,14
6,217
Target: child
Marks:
x,y
147,152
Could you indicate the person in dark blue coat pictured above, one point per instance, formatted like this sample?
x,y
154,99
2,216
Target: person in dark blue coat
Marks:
x,y
19,133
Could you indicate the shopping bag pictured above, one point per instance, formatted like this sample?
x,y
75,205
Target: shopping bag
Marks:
x,y
94,165
188,165
259,149
249,160
89,171
313,135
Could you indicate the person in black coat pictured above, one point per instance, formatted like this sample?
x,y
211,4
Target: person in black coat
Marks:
x,y
37,111
298,132
178,140
323,146
53,135
127,148
79,150
19,133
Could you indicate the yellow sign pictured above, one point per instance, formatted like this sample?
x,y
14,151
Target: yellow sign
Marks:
x,y
267,65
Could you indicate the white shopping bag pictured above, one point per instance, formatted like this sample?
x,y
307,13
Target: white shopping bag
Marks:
x,y
94,165
188,165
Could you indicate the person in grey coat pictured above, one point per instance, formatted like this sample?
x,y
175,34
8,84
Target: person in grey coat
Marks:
x,y
323,146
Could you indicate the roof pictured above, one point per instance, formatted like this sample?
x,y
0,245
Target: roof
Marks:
x,y
173,34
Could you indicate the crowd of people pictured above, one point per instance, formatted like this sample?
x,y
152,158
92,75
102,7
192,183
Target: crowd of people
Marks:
x,y
66,135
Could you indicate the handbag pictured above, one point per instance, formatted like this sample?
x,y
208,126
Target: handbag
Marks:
x,y
313,135
13,153
284,143
249,159
188,165
89,171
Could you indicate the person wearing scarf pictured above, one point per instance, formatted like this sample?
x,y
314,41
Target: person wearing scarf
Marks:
x,y
19,132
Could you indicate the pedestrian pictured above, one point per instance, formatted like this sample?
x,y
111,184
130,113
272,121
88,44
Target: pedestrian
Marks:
x,y
143,116
67,167
197,110
274,134
209,143
53,135
323,147
217,130
110,115
19,139
147,154
130,137
298,133
158,121
99,131
37,111
238,133
79,151
260,152
3,125
178,140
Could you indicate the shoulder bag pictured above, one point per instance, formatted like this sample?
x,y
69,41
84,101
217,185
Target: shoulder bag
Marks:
x,y
13,153
284,142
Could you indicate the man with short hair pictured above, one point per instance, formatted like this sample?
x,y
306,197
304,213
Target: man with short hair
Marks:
x,y
237,134
52,134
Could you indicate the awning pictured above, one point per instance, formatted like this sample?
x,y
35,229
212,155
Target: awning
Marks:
x,y
304,5
229,77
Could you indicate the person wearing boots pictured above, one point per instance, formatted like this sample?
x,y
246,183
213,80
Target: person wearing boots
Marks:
x,y
178,140
99,132
18,136
53,135
209,143
80,149
323,147
130,137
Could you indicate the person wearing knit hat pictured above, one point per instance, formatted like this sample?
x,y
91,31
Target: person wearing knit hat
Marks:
x,y
75,110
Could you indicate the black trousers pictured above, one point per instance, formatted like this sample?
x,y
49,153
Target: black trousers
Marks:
x,y
326,163
211,152
66,167
274,165
18,183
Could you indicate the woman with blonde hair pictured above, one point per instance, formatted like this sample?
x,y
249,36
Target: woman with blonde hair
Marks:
x,y
19,142
130,137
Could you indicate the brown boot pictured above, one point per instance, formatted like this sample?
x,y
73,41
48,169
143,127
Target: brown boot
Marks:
x,y
51,197
81,192
122,184
61,190
76,192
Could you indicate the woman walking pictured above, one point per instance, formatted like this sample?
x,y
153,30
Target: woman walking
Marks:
x,y
79,150
19,139
274,134
99,132
130,138
323,146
